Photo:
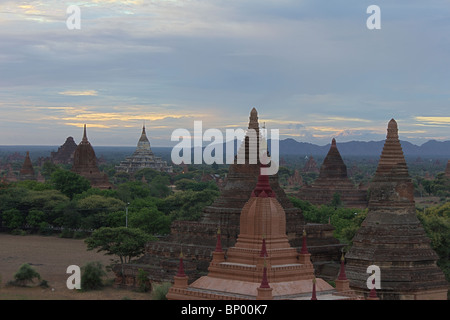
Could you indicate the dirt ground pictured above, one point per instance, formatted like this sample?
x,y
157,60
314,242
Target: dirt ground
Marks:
x,y
50,257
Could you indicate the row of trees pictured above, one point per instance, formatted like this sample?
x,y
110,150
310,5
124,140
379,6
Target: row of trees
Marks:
x,y
67,202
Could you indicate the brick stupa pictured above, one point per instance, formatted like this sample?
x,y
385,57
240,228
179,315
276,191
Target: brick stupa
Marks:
x,y
333,179
198,238
85,164
65,153
143,158
262,265
392,237
27,171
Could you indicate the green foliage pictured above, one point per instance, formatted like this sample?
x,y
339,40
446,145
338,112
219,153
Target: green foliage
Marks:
x,y
436,222
69,183
25,275
91,276
345,221
143,281
126,243
160,291
188,184
187,205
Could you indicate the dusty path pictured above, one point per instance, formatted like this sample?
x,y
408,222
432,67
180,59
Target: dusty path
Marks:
x,y
50,256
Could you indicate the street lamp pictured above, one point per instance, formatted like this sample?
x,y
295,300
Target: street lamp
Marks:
x,y
126,215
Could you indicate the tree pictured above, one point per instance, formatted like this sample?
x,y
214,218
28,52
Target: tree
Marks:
x,y
69,183
126,243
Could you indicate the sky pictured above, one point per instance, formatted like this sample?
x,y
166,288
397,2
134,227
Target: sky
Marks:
x,y
312,69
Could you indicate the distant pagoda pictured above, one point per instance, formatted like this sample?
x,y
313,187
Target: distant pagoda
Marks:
x,y
333,179
143,158
27,171
65,153
392,238
85,164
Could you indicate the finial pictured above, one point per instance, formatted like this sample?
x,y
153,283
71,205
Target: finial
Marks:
x,y
84,134
314,297
304,246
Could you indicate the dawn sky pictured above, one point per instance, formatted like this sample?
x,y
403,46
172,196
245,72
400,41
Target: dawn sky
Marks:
x,y
311,68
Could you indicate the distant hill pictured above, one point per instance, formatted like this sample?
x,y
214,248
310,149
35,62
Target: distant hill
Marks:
x,y
431,148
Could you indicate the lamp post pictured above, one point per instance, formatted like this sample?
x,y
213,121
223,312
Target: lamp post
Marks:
x,y
126,215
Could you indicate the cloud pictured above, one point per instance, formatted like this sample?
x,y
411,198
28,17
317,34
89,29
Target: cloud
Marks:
x,y
79,93
433,121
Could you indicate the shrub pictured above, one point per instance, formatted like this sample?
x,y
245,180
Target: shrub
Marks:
x,y
160,291
91,277
143,282
25,274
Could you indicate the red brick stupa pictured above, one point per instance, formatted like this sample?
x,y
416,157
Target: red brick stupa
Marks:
x,y
65,153
262,265
85,164
333,179
392,238
27,171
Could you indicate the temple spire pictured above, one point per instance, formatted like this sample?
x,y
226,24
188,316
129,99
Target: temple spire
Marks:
x,y
253,119
314,296
84,135
342,275
180,267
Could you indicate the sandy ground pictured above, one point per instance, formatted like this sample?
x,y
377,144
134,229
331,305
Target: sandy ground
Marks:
x,y
50,256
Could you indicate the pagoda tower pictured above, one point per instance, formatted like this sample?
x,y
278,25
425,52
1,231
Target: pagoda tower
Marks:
x,y
333,179
262,264
85,164
65,153
392,238
143,158
198,238
27,171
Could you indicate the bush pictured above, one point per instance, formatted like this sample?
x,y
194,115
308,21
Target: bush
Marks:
x,y
25,274
143,282
91,277
160,291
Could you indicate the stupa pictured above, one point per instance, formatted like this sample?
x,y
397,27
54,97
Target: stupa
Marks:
x,y
311,165
392,238
261,265
333,179
27,171
65,153
198,238
85,164
143,158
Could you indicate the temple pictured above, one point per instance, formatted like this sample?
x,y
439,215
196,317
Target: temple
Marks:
x,y
85,164
198,238
143,158
27,171
333,179
261,265
65,153
392,238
